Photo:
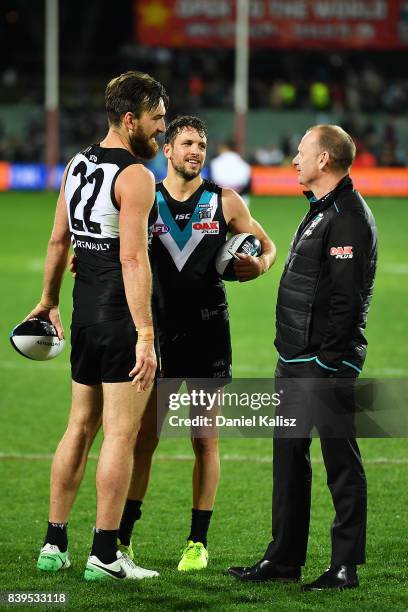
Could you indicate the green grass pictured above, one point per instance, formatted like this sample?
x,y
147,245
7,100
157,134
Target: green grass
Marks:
x,y
34,408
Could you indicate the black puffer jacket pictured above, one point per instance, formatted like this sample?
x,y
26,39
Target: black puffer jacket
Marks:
x,y
327,282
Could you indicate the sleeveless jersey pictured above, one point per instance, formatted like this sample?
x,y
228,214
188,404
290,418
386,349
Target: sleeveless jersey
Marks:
x,y
99,293
186,238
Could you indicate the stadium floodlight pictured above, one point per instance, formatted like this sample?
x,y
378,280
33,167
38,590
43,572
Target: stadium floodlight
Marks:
x,y
241,74
51,88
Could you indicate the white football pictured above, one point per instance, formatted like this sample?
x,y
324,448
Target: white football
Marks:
x,y
36,339
240,243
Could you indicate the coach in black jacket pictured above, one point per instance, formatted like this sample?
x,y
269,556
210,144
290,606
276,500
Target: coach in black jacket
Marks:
x,y
323,300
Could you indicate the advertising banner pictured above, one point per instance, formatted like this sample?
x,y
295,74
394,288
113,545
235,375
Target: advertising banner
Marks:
x,y
28,176
334,24
387,182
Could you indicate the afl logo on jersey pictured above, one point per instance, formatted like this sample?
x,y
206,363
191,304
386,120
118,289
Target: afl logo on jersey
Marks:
x,y
211,227
160,228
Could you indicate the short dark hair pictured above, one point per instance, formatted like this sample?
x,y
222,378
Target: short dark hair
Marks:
x,y
339,145
185,121
133,92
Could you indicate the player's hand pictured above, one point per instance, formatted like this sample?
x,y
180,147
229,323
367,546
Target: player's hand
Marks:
x,y
248,267
145,367
52,315
72,265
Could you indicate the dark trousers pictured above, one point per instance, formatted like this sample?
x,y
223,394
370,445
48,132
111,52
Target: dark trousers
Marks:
x,y
292,473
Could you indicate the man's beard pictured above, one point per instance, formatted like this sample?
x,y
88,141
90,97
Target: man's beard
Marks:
x,y
187,175
142,145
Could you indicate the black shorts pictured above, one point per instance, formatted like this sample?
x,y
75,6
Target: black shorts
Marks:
x,y
103,352
202,351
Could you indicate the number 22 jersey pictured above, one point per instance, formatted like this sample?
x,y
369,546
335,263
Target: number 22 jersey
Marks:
x,y
99,293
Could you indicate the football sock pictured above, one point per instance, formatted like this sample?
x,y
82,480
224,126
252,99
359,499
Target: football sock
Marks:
x,y
57,535
104,545
200,522
131,514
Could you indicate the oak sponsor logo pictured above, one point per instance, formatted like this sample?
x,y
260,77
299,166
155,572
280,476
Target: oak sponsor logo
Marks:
x,y
342,252
207,227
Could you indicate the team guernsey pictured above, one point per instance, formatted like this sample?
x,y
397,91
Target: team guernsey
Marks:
x,y
186,238
189,295
93,212
103,335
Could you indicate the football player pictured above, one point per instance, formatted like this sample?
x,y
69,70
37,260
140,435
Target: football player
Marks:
x,y
194,217
103,209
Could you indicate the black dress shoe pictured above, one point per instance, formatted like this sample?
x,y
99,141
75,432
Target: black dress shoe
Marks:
x,y
265,570
339,577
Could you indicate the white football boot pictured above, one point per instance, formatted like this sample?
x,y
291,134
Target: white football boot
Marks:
x,y
121,569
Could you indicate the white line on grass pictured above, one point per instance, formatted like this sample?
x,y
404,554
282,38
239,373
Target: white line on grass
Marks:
x,y
395,268
36,264
255,369
28,363
378,372
229,458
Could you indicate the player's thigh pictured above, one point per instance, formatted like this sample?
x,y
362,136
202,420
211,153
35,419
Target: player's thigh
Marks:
x,y
209,407
123,408
86,408
156,411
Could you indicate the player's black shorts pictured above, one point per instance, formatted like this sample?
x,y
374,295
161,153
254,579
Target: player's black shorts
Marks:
x,y
201,351
103,352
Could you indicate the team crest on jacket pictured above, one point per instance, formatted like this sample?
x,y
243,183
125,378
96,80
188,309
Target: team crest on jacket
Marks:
x,y
342,252
313,224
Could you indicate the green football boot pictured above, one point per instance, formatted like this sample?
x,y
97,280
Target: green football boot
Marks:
x,y
51,559
195,557
127,550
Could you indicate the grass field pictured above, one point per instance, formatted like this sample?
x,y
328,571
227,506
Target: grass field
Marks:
x,y
34,407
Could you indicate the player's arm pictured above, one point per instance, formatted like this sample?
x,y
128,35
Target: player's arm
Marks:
x,y
239,220
348,247
55,264
135,193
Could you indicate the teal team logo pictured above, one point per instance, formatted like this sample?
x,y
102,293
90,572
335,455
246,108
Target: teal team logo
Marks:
x,y
314,223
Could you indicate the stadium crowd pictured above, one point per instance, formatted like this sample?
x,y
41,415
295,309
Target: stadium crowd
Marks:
x,y
346,85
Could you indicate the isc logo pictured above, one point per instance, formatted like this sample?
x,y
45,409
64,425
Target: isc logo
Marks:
x,y
183,216
340,252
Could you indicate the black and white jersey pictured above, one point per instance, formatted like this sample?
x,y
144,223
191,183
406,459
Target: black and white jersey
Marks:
x,y
186,238
93,212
